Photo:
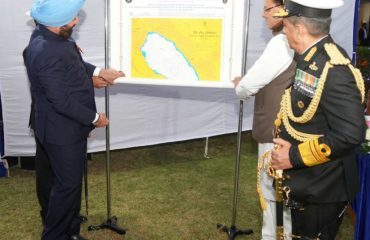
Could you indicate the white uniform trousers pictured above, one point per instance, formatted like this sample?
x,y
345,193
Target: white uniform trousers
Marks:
x,y
268,193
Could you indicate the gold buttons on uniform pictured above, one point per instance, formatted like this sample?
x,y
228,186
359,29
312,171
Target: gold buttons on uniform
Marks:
x,y
277,122
300,104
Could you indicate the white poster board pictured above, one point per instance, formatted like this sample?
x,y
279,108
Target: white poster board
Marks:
x,y
175,42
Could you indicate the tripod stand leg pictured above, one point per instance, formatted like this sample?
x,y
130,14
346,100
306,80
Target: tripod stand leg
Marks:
x,y
86,186
110,224
233,232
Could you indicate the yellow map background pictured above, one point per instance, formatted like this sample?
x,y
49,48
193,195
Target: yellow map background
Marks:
x,y
198,39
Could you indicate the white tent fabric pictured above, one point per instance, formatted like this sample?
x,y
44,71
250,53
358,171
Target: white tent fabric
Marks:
x,y
140,114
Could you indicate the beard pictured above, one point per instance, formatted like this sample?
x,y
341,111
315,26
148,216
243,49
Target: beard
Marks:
x,y
66,32
277,27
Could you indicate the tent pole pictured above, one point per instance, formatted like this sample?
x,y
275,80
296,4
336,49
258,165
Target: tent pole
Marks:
x,y
355,30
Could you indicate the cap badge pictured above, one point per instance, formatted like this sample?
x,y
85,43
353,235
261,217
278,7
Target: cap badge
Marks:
x,y
281,13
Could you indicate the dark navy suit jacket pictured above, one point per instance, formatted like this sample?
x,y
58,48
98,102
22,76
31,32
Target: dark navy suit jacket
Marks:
x,y
61,88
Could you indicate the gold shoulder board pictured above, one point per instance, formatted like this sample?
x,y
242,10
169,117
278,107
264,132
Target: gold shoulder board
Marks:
x,y
336,57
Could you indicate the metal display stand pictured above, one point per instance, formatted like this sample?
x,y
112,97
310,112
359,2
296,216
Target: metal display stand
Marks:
x,y
86,184
233,231
111,222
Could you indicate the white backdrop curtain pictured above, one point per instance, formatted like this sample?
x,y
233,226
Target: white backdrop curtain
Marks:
x,y
140,114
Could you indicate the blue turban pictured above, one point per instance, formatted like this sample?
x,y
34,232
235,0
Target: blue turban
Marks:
x,y
55,13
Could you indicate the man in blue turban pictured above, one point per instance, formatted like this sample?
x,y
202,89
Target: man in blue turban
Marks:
x,y
55,13
64,109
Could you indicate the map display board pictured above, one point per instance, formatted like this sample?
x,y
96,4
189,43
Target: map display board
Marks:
x,y
172,42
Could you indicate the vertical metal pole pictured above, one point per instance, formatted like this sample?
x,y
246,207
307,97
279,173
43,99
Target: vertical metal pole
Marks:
x,y
247,10
107,137
111,222
19,162
237,165
206,149
233,231
355,30
240,125
86,187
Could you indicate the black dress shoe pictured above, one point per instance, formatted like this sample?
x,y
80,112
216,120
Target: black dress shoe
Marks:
x,y
77,237
83,218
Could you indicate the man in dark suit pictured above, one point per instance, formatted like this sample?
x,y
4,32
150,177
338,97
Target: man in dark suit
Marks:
x,y
320,123
65,111
363,37
43,171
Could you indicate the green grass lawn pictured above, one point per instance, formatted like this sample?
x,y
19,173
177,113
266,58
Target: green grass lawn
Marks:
x,y
168,191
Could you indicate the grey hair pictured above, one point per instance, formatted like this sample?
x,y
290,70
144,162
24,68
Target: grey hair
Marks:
x,y
315,26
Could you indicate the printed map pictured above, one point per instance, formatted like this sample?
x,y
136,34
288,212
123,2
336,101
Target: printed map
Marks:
x,y
176,49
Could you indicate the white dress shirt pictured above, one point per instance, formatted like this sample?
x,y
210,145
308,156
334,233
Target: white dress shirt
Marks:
x,y
275,59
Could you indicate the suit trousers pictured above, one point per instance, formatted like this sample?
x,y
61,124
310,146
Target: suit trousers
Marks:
x,y
67,163
318,220
44,179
